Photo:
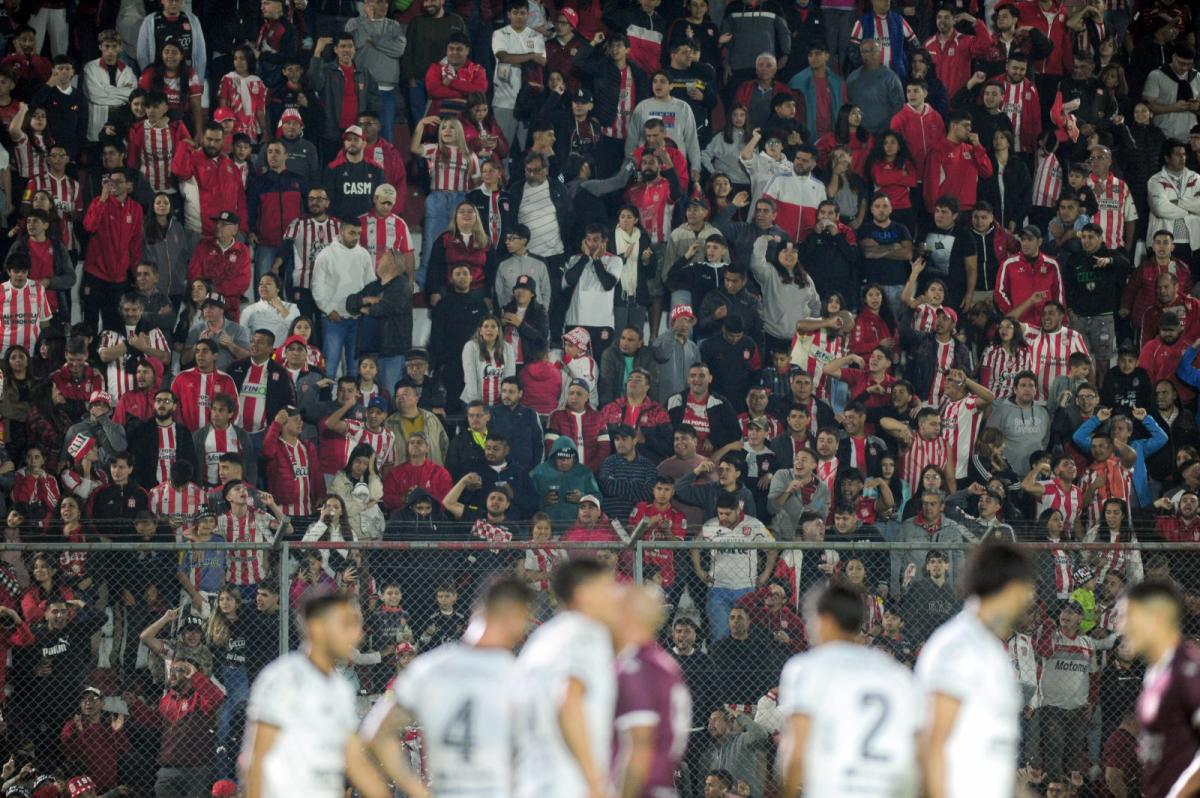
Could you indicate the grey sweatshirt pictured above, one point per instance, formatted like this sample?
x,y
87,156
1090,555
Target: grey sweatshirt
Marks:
x,y
1026,429
723,157
784,304
676,116
379,44
878,93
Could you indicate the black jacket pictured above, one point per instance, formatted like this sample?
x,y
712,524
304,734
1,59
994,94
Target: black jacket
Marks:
x,y
535,326
386,326
562,207
280,392
745,304
922,363
64,270
604,80
723,425
325,77
143,444
1014,204
832,263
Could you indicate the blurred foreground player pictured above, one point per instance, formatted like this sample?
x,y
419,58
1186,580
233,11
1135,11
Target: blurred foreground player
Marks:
x,y
458,695
301,722
972,727
1169,706
654,707
852,713
566,689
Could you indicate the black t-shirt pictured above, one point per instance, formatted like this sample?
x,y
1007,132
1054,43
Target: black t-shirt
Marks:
x,y
885,271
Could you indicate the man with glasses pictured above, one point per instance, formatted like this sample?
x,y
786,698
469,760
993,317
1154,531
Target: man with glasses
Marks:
x,y
563,46
302,241
1068,417
1116,213
520,263
114,250
545,209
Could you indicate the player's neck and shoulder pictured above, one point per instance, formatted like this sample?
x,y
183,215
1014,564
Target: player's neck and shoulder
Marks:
x,y
565,627
844,656
646,657
297,671
963,635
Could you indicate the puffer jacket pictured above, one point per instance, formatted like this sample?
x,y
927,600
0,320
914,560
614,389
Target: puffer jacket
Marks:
x,y
547,477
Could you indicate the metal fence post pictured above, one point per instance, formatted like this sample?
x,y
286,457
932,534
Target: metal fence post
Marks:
x,y
285,614
637,561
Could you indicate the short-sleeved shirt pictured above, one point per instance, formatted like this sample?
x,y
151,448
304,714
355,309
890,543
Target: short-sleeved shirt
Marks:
x,y
570,646
315,714
965,661
651,692
865,710
735,569
885,271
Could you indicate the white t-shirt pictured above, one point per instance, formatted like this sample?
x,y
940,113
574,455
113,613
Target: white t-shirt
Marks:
x,y
508,76
569,646
315,715
735,569
964,660
459,698
865,710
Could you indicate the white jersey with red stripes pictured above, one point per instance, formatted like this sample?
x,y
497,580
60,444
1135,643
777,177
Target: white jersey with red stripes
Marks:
x,y
1101,494
252,415
168,446
157,151
117,378
812,350
1050,352
920,454
625,103
309,236
1068,501
68,200
944,361
960,426
827,471
177,505
1048,180
216,443
22,312
383,443
924,317
450,169
1002,366
302,472
384,235
31,153
247,566
1019,104
1114,207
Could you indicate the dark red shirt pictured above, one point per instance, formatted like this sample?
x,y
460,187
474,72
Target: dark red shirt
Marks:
x,y
1168,740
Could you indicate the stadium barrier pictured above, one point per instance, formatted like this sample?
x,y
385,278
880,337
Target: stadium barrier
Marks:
x,y
130,615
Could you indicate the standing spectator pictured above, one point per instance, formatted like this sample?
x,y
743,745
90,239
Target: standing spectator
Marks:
x,y
625,476
153,141
519,51
1026,282
107,83
345,90
891,32
1117,215
220,437
197,386
1161,356
229,339
1093,276
223,261
387,303
750,28
276,44
585,426
544,207
428,34
351,179
113,251
917,123
617,85
1174,199
1173,93
956,165
386,157
732,573
274,199
379,42
124,348
291,463
93,742
678,121
178,27
590,280
874,88
887,247
384,232
449,82
213,184
302,241
343,268
929,526
1169,295
1026,426
24,307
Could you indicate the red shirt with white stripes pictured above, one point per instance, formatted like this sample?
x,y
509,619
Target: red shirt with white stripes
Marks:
x,y
924,317
309,236
999,367
118,379
383,443
944,361
1103,493
1067,500
68,200
1050,353
216,443
1020,103
167,449
31,156
302,472
450,169
22,311
176,504
252,415
151,150
1047,180
883,35
383,235
921,454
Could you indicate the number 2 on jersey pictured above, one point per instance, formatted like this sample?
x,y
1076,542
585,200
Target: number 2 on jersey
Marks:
x,y
878,704
459,733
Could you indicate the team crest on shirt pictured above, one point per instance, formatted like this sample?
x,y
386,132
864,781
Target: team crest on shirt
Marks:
x,y
131,503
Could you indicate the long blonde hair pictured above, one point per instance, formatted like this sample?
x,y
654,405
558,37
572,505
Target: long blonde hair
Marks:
x,y
460,139
479,236
216,633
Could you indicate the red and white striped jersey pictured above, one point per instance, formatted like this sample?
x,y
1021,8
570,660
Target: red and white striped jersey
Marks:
x,y
449,168
827,471
1068,501
176,505
252,415
883,37
22,311
302,471
31,156
922,453
1114,207
216,443
960,425
168,446
381,235
117,378
245,566
1047,180
998,368
625,103
68,200
309,236
811,350
944,361
1102,494
924,316
383,443
1019,103
153,157
1050,353
75,482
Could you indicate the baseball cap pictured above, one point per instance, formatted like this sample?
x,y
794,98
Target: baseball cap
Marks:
x,y
229,217
571,16
716,238
225,788
759,424
295,339
100,396
645,372
624,430
581,96
1031,231
353,130
214,298
680,311
94,690
80,785
221,114
416,353
580,382
1169,320
587,497
192,620
385,190
949,311
526,282
699,202
377,403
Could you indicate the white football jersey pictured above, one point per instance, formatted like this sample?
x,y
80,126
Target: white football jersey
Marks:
x,y
569,646
315,715
964,660
865,711
460,699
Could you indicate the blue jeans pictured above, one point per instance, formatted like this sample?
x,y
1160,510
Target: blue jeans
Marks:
x,y
720,602
387,113
416,103
340,339
391,371
264,256
237,693
439,211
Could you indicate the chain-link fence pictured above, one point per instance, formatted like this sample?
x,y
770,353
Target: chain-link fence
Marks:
x,y
131,661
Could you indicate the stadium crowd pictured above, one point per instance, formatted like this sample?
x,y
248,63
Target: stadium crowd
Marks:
x,y
334,271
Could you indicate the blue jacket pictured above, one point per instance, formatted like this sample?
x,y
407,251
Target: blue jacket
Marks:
x,y
802,82
524,433
1188,372
895,23
1143,447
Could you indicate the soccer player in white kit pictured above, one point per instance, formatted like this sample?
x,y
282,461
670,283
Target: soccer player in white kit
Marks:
x,y
458,695
972,736
852,713
565,690
301,722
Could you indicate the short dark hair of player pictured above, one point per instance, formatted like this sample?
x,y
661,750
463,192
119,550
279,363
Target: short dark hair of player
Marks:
x,y
505,591
570,576
844,606
322,603
1158,590
993,567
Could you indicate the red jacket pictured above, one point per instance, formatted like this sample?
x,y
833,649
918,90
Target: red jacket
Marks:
x,y
116,244
218,181
185,721
955,169
402,479
870,330
1174,529
772,621
896,182
228,270
81,390
1160,360
953,58
281,481
1139,292
1185,306
591,433
392,163
1018,279
921,132
95,748
470,78
133,405
1062,57
187,387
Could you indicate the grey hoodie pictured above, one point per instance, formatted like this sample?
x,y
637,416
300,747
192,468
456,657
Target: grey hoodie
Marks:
x,y
680,123
379,43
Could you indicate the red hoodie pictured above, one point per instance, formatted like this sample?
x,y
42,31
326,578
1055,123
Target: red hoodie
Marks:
x,y
920,131
955,169
218,181
870,330
541,381
1160,360
115,248
1062,57
95,749
402,479
281,479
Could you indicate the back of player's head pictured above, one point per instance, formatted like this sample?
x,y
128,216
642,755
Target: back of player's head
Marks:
x,y
504,593
843,605
993,567
322,603
570,576
1158,591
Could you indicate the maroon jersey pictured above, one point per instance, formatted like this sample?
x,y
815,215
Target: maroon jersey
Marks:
x,y
651,692
1168,711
